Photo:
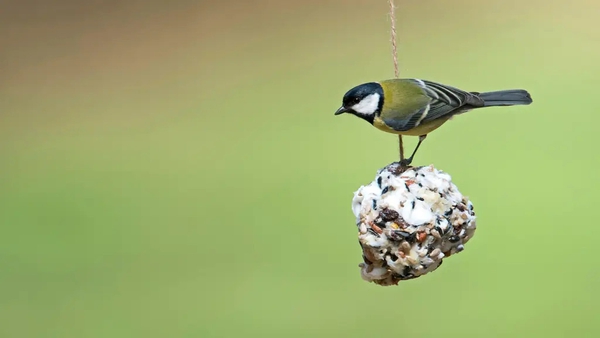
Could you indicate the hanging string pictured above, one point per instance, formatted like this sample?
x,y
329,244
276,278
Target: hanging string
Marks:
x,y
395,58
394,44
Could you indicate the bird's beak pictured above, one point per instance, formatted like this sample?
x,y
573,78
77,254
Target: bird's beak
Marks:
x,y
341,111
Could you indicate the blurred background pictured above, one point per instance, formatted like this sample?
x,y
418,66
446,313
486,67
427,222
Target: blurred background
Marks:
x,y
174,168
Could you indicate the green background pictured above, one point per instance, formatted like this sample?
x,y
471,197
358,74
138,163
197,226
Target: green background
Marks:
x,y
176,170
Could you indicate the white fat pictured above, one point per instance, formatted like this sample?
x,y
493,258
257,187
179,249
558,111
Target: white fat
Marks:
x,y
368,105
419,214
424,205
375,274
370,192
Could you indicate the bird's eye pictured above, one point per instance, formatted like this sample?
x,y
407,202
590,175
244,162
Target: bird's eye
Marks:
x,y
356,100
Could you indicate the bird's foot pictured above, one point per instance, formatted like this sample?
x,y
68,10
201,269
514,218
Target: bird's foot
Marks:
x,y
405,162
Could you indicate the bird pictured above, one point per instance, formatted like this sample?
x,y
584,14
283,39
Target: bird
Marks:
x,y
415,107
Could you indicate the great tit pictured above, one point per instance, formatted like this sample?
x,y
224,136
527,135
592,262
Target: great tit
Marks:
x,y
416,107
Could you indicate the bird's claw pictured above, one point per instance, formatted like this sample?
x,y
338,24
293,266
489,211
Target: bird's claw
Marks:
x,y
405,162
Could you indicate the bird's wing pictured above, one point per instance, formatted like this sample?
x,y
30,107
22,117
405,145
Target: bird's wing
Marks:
x,y
409,121
446,100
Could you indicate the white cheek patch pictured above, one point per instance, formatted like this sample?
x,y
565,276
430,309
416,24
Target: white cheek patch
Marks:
x,y
368,105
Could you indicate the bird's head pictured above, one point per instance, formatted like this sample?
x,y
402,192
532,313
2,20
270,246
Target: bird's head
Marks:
x,y
364,101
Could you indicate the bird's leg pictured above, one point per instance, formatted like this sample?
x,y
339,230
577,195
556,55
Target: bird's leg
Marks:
x,y
401,144
408,161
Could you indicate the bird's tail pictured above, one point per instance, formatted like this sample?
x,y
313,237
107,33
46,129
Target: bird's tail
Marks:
x,y
509,97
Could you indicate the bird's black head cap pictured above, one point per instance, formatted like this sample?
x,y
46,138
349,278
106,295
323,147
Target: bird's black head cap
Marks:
x,y
364,101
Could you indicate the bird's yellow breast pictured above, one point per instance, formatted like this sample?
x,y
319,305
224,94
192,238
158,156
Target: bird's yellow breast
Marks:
x,y
419,130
